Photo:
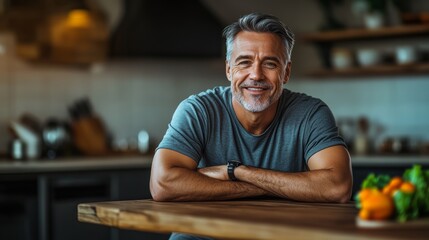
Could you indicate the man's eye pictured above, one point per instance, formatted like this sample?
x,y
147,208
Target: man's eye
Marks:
x,y
244,63
270,64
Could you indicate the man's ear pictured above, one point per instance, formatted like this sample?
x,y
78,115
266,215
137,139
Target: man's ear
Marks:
x,y
228,71
287,72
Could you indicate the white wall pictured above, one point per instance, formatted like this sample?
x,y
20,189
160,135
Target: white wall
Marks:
x,y
128,95
398,104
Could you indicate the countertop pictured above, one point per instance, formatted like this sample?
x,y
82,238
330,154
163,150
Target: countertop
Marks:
x,y
389,160
75,164
144,161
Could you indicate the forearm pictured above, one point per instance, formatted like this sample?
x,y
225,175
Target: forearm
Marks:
x,y
181,184
314,186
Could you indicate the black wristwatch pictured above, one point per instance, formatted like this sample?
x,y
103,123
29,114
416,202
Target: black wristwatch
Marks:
x,y
232,164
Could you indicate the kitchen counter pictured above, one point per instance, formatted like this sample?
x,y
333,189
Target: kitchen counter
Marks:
x,y
389,160
144,161
75,164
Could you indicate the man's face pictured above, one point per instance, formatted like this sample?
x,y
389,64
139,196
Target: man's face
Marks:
x,y
257,70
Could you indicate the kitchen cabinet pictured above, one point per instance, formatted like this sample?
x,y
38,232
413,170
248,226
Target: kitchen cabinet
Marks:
x,y
18,209
38,199
327,42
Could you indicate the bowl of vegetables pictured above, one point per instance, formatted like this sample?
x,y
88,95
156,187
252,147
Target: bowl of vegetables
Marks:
x,y
397,199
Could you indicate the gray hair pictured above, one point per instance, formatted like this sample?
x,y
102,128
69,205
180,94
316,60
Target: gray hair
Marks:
x,y
256,22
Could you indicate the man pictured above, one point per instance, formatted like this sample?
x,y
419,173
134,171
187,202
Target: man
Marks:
x,y
283,144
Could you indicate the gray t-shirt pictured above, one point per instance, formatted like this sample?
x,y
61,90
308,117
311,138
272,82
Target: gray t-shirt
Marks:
x,y
205,128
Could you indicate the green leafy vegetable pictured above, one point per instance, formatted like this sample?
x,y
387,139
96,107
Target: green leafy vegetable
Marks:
x,y
403,205
375,181
418,204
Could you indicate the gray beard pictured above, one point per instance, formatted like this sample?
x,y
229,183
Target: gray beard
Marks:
x,y
255,105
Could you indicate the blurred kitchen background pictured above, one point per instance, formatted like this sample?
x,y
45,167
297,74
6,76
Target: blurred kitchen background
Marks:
x,y
92,79
134,62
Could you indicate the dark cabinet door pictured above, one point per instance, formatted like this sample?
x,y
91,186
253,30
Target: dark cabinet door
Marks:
x,y
18,209
66,192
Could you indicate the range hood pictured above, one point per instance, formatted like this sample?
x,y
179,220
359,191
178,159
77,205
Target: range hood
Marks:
x,y
161,28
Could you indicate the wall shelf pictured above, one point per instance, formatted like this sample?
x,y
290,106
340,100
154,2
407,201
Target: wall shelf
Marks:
x,y
382,70
362,34
327,40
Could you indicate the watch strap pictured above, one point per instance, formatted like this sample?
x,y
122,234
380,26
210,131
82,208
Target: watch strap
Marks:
x,y
232,164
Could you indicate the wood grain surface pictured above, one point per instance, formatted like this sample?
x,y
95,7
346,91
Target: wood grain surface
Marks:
x,y
244,219
420,222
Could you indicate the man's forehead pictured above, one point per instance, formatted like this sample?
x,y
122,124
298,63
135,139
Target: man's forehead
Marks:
x,y
247,44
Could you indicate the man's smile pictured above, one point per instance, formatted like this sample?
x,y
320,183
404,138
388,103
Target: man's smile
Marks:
x,y
255,88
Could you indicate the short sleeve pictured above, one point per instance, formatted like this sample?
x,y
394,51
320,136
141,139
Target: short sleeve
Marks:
x,y
185,133
321,131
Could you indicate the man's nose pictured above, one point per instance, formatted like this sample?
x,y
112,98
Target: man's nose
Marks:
x,y
256,72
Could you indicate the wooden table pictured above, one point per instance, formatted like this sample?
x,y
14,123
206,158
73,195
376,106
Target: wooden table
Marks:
x,y
246,219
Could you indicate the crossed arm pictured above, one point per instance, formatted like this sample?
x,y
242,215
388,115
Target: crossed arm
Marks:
x,y
175,177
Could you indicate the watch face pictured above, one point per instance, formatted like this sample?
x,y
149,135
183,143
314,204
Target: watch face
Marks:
x,y
234,162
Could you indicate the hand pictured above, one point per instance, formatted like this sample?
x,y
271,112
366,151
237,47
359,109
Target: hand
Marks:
x,y
217,172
